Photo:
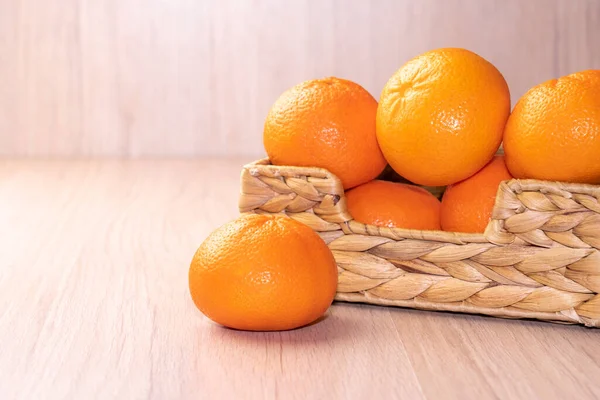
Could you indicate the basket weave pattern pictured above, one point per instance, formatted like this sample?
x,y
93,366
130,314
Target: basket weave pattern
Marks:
x,y
538,258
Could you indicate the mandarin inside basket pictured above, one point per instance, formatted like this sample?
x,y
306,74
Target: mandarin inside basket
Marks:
x,y
538,258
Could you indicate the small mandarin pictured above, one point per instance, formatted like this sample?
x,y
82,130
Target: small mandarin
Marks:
x,y
467,205
553,132
394,205
327,123
263,273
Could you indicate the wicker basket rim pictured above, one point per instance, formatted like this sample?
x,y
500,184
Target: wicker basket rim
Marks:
x,y
563,189
557,187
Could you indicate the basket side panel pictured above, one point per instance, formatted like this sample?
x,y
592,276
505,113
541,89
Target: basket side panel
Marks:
x,y
546,214
516,281
311,195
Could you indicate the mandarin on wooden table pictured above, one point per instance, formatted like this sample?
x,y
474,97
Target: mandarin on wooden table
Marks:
x,y
263,272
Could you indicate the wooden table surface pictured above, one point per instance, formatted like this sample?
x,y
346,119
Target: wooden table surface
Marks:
x,y
94,303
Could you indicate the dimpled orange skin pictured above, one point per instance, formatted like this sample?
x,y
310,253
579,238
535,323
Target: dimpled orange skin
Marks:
x,y
327,123
441,116
394,205
263,273
553,132
467,205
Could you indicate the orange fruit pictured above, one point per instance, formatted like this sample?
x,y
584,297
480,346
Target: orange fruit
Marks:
x,y
327,123
467,205
441,116
390,204
263,273
553,132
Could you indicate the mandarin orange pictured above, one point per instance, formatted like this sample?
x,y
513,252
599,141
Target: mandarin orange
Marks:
x,y
441,116
327,123
553,132
467,205
394,205
263,273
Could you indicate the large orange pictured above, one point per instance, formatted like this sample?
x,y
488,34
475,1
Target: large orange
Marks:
x,y
327,123
441,116
467,205
394,205
553,132
263,272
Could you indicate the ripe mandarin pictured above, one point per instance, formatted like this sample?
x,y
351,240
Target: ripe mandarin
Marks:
x,y
553,132
467,205
441,116
327,123
263,273
390,204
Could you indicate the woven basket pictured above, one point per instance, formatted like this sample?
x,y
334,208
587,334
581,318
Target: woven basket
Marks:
x,y
538,258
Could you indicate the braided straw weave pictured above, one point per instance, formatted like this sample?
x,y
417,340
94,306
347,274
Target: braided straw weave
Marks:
x,y
538,258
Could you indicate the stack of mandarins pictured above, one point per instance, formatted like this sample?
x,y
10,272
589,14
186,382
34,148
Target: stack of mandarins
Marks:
x,y
440,122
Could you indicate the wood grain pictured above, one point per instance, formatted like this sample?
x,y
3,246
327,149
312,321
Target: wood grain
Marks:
x,y
189,78
94,304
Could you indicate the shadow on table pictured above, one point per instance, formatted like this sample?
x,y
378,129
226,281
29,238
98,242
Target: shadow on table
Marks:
x,y
329,328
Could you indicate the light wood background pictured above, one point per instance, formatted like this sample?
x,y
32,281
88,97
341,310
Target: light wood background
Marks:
x,y
196,77
94,304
